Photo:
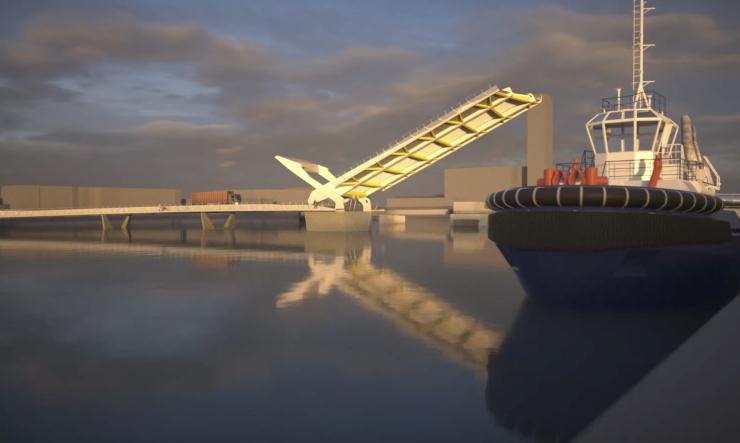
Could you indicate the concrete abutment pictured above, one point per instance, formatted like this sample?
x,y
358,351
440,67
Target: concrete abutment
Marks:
x,y
339,221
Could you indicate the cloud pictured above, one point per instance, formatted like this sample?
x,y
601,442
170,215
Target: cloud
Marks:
x,y
340,107
250,84
160,154
175,130
229,150
733,119
578,57
718,135
50,46
9,120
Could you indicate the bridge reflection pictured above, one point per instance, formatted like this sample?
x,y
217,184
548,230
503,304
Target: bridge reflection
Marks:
x,y
411,307
342,262
549,376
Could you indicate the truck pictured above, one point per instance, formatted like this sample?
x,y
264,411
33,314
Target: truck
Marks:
x,y
216,198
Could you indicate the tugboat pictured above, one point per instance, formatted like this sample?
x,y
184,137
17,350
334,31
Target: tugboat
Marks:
x,y
639,209
637,186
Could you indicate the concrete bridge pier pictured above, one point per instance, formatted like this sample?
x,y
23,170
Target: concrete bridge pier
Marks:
x,y
207,224
338,221
105,223
391,219
470,220
108,226
125,225
230,222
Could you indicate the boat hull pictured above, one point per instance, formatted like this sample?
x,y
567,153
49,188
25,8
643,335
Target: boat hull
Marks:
x,y
600,229
629,277
584,218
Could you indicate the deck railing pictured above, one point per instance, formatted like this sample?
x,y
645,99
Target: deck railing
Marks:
x,y
586,161
673,168
651,100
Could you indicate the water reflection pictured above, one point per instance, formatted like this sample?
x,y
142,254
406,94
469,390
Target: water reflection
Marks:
x,y
411,307
372,331
561,366
558,370
256,335
335,261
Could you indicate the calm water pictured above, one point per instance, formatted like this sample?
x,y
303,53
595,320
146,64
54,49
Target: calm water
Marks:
x,y
409,334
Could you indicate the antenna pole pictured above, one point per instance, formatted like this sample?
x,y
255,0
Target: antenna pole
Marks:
x,y
639,46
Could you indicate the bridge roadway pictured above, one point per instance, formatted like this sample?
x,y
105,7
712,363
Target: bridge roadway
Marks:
x,y
162,209
127,212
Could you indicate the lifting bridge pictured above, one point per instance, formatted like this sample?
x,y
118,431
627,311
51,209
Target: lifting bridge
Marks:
x,y
425,146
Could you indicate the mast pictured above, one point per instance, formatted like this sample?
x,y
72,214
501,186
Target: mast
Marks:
x,y
639,46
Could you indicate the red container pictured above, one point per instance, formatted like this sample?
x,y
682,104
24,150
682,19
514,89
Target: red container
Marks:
x,y
213,198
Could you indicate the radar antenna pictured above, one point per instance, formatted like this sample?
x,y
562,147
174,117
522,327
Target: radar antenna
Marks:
x,y
638,53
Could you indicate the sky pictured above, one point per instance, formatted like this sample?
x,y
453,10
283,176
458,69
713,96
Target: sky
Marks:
x,y
198,95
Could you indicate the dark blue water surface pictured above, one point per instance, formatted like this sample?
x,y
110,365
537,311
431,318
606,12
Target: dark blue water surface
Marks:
x,y
414,333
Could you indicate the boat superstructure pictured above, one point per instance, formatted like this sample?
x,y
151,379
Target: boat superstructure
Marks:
x,y
633,133
643,184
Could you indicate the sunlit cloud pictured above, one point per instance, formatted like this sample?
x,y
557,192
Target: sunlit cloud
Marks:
x,y
168,97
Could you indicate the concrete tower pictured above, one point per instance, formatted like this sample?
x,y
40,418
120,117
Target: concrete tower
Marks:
x,y
539,139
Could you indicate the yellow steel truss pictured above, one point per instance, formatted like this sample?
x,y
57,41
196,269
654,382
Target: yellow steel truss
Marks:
x,y
424,147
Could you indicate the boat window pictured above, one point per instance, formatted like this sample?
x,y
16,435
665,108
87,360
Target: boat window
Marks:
x,y
598,138
619,137
646,135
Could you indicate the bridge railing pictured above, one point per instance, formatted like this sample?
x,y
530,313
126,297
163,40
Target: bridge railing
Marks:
x,y
156,205
163,209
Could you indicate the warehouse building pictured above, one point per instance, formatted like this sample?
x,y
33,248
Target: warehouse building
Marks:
x,y
60,197
465,185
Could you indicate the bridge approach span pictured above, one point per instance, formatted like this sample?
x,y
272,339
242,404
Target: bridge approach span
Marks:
x,y
127,212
